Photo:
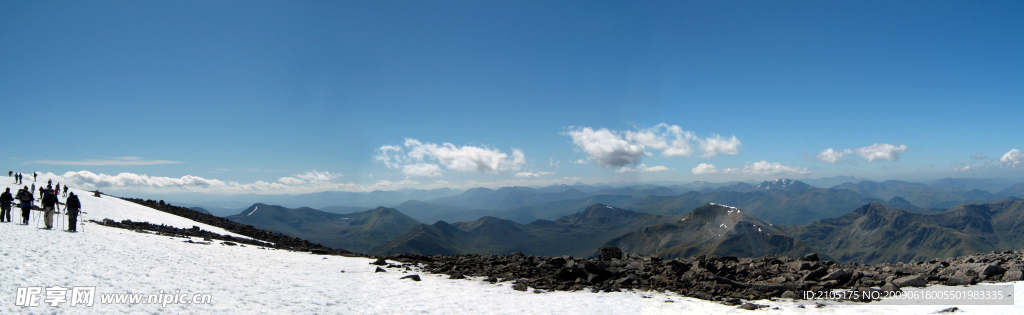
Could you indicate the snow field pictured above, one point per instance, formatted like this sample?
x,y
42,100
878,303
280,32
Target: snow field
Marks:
x,y
249,280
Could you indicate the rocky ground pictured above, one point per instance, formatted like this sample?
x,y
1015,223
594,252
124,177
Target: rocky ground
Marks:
x,y
727,279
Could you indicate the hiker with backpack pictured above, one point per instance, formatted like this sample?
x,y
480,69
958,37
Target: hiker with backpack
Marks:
x,y
49,204
66,191
5,205
25,196
72,206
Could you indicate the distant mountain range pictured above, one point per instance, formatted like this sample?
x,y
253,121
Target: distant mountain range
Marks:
x,y
712,230
921,195
782,184
874,233
579,234
357,231
871,233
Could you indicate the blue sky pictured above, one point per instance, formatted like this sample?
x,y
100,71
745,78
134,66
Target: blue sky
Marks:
x,y
300,96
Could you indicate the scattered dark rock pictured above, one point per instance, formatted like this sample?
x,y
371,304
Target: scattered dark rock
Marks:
x,y
609,253
457,275
413,277
1012,275
949,310
728,279
379,269
810,257
229,243
519,286
319,252
379,262
911,281
789,294
752,306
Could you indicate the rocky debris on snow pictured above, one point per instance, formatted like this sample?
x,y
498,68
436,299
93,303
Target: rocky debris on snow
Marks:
x,y
752,306
412,277
281,241
379,269
379,262
719,278
195,231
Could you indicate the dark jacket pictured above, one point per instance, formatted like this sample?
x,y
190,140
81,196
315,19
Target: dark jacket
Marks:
x,y
25,196
73,205
6,199
49,200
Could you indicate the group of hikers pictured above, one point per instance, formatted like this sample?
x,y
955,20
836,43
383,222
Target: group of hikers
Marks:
x,y
18,177
50,203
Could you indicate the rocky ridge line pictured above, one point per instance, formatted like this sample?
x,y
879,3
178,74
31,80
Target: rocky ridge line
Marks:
x,y
727,279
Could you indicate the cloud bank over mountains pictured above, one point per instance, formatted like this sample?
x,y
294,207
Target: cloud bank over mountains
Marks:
x,y
874,152
755,168
418,159
615,148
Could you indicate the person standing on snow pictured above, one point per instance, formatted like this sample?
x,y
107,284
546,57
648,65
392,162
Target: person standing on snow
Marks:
x,y
5,205
25,196
34,176
49,204
72,206
66,191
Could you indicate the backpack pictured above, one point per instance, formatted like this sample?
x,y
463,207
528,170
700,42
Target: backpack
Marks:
x,y
73,205
25,196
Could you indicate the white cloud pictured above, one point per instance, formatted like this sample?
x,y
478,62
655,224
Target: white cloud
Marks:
x,y
881,152
704,168
92,180
610,148
606,148
765,168
672,140
755,168
391,155
118,161
964,168
642,168
832,156
291,181
421,170
580,161
553,163
534,174
979,156
462,159
315,176
1013,158
717,144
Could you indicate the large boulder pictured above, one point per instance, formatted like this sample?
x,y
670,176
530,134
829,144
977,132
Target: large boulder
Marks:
x,y
911,281
609,253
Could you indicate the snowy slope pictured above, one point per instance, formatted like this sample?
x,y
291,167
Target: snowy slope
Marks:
x,y
249,280
104,207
